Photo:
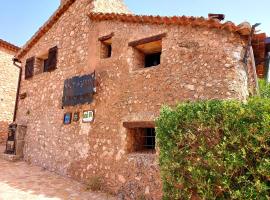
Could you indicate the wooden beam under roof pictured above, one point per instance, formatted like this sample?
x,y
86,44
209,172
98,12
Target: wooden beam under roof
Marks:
x,y
147,40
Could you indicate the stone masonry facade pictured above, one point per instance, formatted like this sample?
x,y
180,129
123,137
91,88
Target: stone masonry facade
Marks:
x,y
197,63
8,86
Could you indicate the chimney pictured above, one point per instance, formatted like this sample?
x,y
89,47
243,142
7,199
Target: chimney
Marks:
x,y
219,17
110,6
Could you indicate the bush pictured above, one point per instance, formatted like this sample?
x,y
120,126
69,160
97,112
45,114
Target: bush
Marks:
x,y
264,89
215,150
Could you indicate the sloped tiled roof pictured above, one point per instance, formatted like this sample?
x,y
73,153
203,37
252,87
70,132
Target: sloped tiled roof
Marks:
x,y
242,29
211,23
9,46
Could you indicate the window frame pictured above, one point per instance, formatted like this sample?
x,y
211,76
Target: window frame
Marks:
x,y
106,49
147,47
137,137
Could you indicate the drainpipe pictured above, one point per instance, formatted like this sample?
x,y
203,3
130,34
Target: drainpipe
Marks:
x,y
15,63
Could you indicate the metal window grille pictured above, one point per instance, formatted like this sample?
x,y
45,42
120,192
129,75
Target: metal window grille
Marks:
x,y
149,138
144,140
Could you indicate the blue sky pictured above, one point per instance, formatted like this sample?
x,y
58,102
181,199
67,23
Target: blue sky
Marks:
x,y
20,19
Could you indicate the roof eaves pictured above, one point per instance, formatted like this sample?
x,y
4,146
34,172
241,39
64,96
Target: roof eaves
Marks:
x,y
175,20
9,46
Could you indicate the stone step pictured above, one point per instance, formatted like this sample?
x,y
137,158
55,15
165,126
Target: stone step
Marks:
x,y
8,157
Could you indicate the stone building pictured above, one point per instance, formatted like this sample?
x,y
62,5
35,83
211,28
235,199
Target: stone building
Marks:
x,y
8,86
140,63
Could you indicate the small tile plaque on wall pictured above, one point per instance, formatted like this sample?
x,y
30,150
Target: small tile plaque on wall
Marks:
x,y
88,116
67,118
76,117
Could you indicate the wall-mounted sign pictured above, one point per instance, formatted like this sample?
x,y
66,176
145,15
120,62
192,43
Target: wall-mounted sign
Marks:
x,y
78,90
88,116
67,118
76,117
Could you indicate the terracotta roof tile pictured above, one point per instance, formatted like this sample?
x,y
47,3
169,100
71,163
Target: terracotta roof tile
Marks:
x,y
175,20
45,28
9,46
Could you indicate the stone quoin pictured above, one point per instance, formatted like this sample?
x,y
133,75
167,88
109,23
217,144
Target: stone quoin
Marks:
x,y
139,63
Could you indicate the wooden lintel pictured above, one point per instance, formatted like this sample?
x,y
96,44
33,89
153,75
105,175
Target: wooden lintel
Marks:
x,y
147,40
106,37
139,124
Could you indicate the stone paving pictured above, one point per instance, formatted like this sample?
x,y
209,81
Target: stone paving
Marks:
x,y
20,181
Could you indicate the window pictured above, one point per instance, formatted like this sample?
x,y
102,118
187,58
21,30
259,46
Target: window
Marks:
x,y
46,61
106,46
29,67
152,59
39,63
106,49
142,140
141,137
147,52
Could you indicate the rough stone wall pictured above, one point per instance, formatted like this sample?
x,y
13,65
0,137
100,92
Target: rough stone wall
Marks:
x,y
8,87
196,63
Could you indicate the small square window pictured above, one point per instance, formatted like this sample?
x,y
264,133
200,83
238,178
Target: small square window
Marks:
x,y
47,61
147,52
40,63
141,140
106,49
106,46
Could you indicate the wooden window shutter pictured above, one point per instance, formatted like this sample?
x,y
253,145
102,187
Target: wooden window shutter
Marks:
x,y
29,67
52,60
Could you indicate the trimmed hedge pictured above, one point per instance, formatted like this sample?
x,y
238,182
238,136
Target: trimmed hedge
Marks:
x,y
264,89
215,150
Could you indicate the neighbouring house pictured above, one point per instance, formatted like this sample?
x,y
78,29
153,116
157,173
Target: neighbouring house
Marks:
x,y
95,77
8,86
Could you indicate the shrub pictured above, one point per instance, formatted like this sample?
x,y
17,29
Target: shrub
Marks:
x,y
215,150
264,89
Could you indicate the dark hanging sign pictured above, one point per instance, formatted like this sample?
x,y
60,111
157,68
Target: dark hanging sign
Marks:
x,y
78,90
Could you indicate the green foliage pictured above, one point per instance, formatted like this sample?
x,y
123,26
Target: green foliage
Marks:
x,y
264,89
215,150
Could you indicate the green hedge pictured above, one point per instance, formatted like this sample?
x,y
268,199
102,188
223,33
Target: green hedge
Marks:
x,y
264,89
215,150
